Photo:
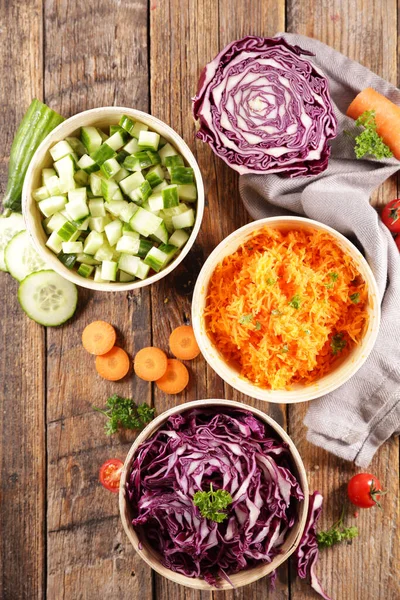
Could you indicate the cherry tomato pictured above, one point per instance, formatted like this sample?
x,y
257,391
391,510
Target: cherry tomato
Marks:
x,y
397,240
364,490
391,215
110,474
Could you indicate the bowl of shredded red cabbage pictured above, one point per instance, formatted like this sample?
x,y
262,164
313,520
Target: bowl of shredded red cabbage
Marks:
x,y
214,494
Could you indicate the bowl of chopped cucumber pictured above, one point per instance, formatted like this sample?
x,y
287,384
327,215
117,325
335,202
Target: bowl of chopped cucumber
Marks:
x,y
113,199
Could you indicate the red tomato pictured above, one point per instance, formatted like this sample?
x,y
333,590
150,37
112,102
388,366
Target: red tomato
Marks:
x,y
110,474
397,240
364,490
391,215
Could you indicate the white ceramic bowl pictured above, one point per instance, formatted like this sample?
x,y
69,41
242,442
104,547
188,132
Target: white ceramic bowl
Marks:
x,y
100,117
299,393
151,557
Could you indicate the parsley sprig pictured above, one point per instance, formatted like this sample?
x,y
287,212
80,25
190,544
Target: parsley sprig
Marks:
x,y
211,503
338,343
295,301
369,142
336,534
123,413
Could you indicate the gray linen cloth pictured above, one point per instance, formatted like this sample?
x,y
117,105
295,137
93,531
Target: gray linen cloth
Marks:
x,y
357,418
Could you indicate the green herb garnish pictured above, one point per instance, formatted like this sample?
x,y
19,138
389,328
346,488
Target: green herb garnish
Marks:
x,y
334,276
355,298
337,343
258,325
295,301
211,503
307,332
123,413
271,281
245,319
369,142
336,534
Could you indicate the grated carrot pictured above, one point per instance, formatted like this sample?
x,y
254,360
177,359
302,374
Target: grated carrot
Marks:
x,y
278,306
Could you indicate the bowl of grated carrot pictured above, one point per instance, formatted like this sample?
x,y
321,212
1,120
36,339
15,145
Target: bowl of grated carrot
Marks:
x,y
286,309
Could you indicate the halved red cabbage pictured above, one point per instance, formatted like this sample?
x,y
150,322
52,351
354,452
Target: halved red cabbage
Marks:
x,y
306,555
234,451
263,108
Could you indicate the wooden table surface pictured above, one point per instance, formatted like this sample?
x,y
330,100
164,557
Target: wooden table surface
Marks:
x,y
60,534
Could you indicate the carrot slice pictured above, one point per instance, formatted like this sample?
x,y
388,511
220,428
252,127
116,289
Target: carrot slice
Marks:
x,y
183,344
98,337
175,378
113,365
387,116
150,363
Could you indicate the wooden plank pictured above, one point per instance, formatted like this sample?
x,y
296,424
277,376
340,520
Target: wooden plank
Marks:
x,y
93,58
369,567
197,30
22,383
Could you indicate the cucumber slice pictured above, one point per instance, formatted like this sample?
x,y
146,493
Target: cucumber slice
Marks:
x,y
40,193
167,150
184,220
9,226
21,257
145,222
178,238
109,270
48,298
91,139
60,149
149,139
187,192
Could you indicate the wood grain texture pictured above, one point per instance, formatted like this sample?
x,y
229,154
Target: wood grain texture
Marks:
x,y
364,30
22,360
93,58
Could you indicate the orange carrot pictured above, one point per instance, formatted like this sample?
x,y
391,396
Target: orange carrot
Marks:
x,y
387,116
183,344
150,363
175,378
98,337
114,365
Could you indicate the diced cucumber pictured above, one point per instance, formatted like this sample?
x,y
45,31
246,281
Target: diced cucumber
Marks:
x,y
181,175
118,196
156,202
132,146
146,206
52,205
48,298
65,168
158,258
98,223
170,196
55,242
121,156
167,150
122,173
81,178
183,220
87,259
60,149
97,275
149,139
129,263
84,224
127,212
154,157
47,174
91,139
128,245
68,260
110,167
77,209
116,207
160,187
137,128
109,269
87,164
117,140
85,270
76,145
102,134
132,182
72,247
187,192
105,152
66,231
56,222
105,252
95,184
109,188
93,242
40,193
96,207
161,235
142,193
174,161
21,258
155,176
138,161
144,247
178,238
168,213
125,277
142,270
126,123
77,195
145,222
55,186
113,232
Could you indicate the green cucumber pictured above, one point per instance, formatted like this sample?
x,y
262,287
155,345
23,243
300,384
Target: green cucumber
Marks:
x,y
21,257
9,226
48,298
37,123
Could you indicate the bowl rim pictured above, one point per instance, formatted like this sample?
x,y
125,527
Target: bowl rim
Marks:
x,y
233,378
68,125
242,577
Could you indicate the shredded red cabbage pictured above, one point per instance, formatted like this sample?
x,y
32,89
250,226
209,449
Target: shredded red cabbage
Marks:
x,y
234,451
262,108
306,555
